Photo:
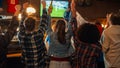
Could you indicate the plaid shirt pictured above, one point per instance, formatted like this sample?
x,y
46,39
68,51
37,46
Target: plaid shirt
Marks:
x,y
33,48
86,55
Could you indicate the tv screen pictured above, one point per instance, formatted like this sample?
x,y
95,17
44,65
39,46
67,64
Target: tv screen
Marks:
x,y
59,8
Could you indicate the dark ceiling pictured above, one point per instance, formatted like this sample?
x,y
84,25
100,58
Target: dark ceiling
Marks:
x,y
98,8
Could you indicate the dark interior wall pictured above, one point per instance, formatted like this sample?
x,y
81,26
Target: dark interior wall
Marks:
x,y
98,9
36,4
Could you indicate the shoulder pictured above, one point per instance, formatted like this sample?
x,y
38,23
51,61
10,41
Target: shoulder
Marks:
x,y
97,46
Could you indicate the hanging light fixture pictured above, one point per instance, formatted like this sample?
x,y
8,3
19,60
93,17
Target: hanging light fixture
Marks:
x,y
30,10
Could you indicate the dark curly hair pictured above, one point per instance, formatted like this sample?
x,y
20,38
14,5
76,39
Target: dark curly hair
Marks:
x,y
88,33
29,23
115,18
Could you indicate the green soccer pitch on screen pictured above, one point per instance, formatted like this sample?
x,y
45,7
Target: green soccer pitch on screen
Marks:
x,y
59,8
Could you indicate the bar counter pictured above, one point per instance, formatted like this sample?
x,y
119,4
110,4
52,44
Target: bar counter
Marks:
x,y
14,49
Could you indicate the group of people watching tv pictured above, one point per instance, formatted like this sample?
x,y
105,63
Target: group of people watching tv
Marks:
x,y
71,44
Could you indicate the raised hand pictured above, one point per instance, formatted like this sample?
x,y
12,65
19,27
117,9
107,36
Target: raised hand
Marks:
x,y
44,3
1,9
25,5
18,7
108,18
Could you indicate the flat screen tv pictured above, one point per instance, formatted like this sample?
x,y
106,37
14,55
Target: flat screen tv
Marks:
x,y
59,7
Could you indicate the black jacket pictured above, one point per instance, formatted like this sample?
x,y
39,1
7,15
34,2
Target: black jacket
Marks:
x,y
6,38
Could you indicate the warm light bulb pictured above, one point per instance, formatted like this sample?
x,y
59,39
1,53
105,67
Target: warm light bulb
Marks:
x,y
20,16
17,29
103,25
30,10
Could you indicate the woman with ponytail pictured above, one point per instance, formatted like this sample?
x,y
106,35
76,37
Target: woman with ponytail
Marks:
x,y
60,48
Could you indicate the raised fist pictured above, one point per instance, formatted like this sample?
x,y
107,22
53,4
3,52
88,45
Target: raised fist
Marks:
x,y
18,7
44,4
25,5
1,9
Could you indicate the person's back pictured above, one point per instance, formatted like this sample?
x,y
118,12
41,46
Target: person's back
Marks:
x,y
86,55
31,40
33,49
87,45
56,48
113,43
110,41
60,48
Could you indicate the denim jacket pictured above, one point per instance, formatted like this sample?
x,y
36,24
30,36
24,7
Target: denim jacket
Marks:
x,y
56,49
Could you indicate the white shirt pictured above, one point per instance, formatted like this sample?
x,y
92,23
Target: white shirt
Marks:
x,y
110,41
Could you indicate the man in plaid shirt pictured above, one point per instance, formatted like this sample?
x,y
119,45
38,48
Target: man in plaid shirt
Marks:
x,y
31,41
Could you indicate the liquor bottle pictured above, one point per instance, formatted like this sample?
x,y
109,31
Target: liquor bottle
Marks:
x,y
51,7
